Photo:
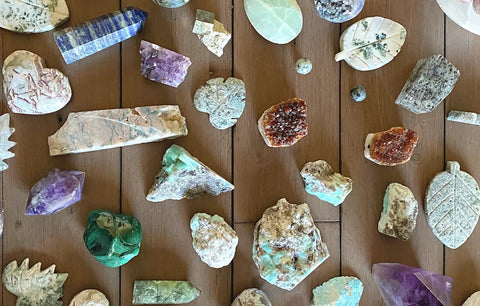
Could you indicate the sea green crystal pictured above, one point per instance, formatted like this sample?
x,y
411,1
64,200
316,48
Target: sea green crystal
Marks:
x,y
339,291
113,239
163,292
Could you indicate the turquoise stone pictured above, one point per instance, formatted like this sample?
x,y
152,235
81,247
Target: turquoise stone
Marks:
x,y
339,291
163,292
113,239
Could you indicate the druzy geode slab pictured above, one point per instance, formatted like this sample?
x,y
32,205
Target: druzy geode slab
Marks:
x,y
402,285
90,37
5,145
338,11
113,239
112,128
163,292
184,176
252,297
392,147
287,245
57,191
338,291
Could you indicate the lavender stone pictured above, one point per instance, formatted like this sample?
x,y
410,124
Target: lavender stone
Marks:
x,y
58,190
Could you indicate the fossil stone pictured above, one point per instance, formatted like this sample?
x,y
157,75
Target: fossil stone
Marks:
x,y
430,82
392,147
211,32
223,101
32,89
204,22
322,182
464,117
34,287
473,300
163,292
252,297
452,205
287,245
399,214
343,290
282,125
303,66
90,297
171,3
338,11
5,145
213,240
112,128
184,176
358,93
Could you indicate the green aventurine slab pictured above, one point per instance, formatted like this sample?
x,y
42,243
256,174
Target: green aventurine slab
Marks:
x,y
163,292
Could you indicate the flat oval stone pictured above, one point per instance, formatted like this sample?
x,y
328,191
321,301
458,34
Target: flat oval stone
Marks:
x,y
171,3
338,11
252,297
90,297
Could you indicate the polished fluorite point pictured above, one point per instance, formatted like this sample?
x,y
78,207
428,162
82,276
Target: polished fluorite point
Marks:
x,y
163,292
113,239
339,291
402,285
338,11
90,37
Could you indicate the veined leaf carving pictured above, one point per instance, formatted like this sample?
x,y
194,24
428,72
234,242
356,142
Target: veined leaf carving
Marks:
x,y
452,205
371,43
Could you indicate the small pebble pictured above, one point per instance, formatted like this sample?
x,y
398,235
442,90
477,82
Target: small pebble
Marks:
x,y
358,93
303,66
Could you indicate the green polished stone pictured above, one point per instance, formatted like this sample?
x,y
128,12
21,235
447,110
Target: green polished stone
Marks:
x,y
163,292
113,239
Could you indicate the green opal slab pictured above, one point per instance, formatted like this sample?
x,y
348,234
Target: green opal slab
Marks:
x,y
163,292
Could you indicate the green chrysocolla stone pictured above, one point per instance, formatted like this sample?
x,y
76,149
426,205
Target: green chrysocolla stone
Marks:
x,y
113,239
164,292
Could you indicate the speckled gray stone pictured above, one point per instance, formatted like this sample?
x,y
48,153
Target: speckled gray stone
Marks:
x,y
303,66
252,297
464,117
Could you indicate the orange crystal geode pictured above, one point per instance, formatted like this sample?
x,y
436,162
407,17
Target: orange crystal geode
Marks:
x,y
392,147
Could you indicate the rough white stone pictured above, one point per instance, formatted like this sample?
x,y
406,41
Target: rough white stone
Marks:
x,y
90,297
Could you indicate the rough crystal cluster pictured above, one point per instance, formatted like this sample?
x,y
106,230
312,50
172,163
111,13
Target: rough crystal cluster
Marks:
x,y
211,32
90,297
392,147
402,285
171,3
5,145
338,11
162,65
464,117
84,39
33,286
282,125
32,89
303,66
287,245
473,300
164,292
252,297
32,16
213,240
113,239
58,190
112,128
223,101
340,291
184,176
399,214
430,82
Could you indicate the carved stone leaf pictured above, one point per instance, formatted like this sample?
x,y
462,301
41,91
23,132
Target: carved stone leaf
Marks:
x,y
452,205
5,145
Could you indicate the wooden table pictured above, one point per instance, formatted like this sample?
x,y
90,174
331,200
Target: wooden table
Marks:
x,y
118,179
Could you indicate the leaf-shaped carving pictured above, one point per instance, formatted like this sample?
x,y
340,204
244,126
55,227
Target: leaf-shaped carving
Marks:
x,y
5,144
452,205
371,43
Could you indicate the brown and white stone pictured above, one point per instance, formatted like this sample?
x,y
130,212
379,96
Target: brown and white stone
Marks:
x,y
392,147
90,297
252,297
211,32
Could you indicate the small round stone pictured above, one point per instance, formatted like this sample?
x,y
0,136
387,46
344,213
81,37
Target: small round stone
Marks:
x,y
358,93
338,11
90,297
303,66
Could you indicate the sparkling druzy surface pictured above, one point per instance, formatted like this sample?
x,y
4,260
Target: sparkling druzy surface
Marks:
x,y
252,297
338,291
338,11
392,147
90,37
163,292
113,239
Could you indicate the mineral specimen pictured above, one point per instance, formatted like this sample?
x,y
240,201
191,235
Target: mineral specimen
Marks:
x,y
113,239
162,65
163,292
392,147
58,190
98,34
338,11
358,93
252,297
223,101
343,290
171,3
213,240
430,82
32,16
473,300
321,181
399,214
303,66
204,22
32,89
452,205
112,128
402,285
32,286
278,21
5,145
211,32
287,245
90,297
184,176
464,117
282,125
465,13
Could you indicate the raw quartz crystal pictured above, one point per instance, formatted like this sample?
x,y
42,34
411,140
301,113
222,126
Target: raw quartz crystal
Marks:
x,y
113,239
184,176
213,240
392,147
32,16
58,190
430,82
171,3
399,214
87,38
287,245
224,101
162,65
282,125
402,285
252,297
33,286
322,182
211,32
338,11
163,292
473,300
340,291
5,145
30,87
90,297
112,128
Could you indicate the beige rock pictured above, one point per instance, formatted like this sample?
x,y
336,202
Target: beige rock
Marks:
x,y
217,39
89,297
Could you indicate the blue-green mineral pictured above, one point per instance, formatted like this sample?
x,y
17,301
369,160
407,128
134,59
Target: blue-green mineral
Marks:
x,y
339,291
163,292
